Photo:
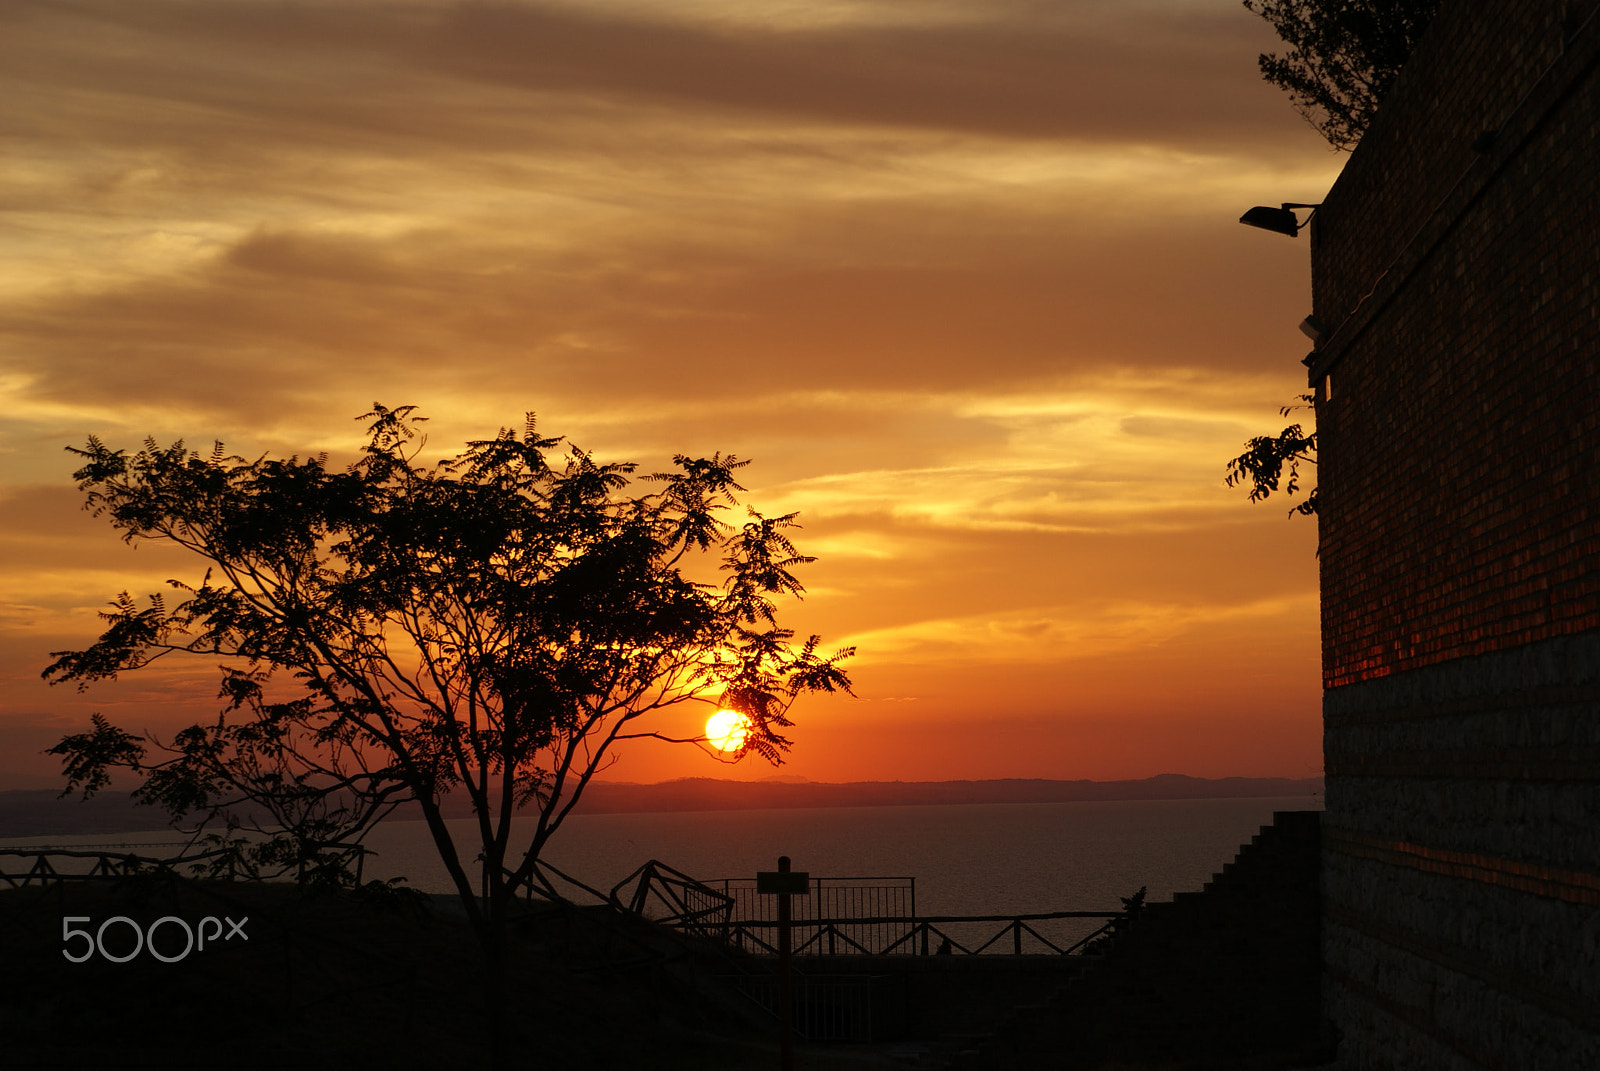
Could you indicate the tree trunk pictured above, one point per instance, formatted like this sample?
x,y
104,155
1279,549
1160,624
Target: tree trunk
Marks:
x,y
495,998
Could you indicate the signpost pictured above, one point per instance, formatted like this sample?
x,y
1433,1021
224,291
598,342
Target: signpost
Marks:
x,y
784,883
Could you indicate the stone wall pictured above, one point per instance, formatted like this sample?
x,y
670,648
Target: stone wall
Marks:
x,y
1456,263
1461,902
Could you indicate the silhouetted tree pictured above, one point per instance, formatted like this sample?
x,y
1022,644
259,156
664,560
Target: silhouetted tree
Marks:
x,y
493,624
1344,55
1264,459
1132,908
312,796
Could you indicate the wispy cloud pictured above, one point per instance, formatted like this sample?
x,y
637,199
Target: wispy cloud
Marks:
x,y
1060,633
962,278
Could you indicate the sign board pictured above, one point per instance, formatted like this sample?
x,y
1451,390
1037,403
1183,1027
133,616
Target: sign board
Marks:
x,y
793,882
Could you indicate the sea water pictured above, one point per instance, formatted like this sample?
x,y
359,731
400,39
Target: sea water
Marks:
x,y
966,859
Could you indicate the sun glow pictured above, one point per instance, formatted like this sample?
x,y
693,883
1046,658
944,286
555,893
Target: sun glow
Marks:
x,y
727,730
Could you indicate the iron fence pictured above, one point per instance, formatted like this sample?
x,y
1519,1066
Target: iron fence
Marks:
x,y
831,1007
850,916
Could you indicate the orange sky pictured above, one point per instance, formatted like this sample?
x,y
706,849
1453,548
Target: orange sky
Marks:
x,y
963,278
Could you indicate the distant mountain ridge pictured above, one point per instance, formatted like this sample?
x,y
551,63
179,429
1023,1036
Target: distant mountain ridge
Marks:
x,y
709,794
30,813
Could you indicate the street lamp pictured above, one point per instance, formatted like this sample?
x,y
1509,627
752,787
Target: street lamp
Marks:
x,y
1278,220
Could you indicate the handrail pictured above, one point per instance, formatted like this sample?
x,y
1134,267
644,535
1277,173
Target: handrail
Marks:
x,y
702,909
108,864
879,919
73,854
845,877
29,849
927,928
666,882
542,870
115,864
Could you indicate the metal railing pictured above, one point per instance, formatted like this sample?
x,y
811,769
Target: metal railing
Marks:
x,y
933,935
859,914
847,916
826,1007
671,897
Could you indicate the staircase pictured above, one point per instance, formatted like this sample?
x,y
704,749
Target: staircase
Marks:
x,y
1225,979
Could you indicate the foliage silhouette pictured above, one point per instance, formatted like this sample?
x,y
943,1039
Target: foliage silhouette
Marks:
x,y
1344,56
1264,458
1133,907
493,624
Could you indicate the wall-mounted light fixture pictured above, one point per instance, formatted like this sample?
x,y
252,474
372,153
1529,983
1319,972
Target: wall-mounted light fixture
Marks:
x,y
1279,220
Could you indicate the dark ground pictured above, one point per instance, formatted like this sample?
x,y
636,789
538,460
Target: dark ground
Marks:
x,y
1220,981
329,980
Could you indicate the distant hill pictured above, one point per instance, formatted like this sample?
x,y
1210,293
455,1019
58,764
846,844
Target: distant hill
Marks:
x,y
29,813
707,794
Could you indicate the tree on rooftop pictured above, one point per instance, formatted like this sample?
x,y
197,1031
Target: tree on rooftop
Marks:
x,y
1343,57
494,624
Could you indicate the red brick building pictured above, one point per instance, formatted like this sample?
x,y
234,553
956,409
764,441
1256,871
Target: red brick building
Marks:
x,y
1456,268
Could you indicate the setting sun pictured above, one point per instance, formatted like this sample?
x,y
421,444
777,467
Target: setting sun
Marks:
x,y
1017,507
727,729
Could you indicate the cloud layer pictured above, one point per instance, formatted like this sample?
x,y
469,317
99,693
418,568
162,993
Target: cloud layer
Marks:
x,y
963,278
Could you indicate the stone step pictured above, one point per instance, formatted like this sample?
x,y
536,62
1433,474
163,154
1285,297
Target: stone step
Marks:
x,y
1170,989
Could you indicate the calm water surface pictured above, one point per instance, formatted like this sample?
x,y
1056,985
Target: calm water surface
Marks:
x,y
967,859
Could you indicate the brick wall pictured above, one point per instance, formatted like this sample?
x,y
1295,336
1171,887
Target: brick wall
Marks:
x,y
1462,441
1459,419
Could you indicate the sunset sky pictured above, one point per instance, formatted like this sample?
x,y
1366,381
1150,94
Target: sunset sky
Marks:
x,y
963,278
